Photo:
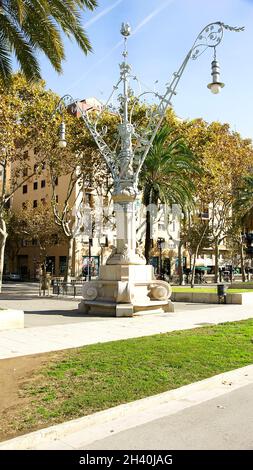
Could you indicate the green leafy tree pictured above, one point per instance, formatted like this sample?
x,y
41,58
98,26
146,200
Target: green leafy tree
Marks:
x,y
35,225
167,176
225,159
242,218
87,177
197,237
26,123
243,204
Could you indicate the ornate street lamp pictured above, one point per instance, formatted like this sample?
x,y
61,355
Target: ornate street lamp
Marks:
x,y
216,84
62,140
126,285
160,246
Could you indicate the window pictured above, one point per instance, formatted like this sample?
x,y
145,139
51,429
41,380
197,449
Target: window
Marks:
x,y
90,266
25,172
43,201
63,264
56,199
55,239
43,183
35,203
25,189
205,213
88,198
56,181
35,185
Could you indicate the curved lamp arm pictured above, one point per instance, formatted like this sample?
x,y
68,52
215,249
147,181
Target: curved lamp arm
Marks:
x,y
67,102
210,36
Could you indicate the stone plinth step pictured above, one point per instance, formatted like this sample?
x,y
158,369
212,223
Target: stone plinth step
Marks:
x,y
112,308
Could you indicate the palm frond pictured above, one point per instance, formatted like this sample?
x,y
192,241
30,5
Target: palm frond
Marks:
x,y
16,41
37,25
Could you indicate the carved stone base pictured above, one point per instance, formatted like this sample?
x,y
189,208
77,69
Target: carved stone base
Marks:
x,y
126,290
113,309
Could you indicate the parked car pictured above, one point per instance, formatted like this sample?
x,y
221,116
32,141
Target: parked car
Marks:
x,y
14,277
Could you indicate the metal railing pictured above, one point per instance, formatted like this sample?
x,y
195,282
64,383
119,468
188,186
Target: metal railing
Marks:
x,y
72,288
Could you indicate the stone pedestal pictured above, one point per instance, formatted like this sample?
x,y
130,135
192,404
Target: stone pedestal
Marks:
x,y
126,286
126,290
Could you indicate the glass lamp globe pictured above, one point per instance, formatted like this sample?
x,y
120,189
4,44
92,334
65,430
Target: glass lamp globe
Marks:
x,y
62,143
215,87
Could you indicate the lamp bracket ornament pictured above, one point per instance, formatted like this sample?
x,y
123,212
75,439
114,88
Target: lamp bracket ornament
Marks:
x,y
125,161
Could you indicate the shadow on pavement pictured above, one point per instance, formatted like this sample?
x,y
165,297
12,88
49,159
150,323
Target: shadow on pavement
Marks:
x,y
67,313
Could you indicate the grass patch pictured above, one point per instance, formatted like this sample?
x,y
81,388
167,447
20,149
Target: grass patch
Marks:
x,y
92,378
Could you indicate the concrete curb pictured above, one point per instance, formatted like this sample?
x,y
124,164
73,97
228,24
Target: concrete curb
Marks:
x,y
83,431
244,298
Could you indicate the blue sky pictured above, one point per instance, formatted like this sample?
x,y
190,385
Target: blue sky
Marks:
x,y
166,30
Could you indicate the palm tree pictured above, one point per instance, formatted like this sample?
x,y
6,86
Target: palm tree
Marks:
x,y
29,26
244,202
243,218
167,176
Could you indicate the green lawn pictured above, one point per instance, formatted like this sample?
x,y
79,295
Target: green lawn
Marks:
x,y
208,290
92,378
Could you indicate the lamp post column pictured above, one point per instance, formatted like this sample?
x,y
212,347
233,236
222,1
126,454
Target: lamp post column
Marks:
x,y
125,192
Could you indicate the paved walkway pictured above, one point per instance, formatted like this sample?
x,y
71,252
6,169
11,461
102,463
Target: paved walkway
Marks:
x,y
90,330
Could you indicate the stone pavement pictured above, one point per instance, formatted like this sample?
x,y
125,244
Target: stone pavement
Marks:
x,y
90,330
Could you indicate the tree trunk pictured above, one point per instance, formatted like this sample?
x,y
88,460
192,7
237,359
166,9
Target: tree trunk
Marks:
x,y
68,273
242,262
148,241
193,269
196,255
180,268
216,257
3,237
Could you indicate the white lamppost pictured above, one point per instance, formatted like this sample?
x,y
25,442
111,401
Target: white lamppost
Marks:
x,y
126,285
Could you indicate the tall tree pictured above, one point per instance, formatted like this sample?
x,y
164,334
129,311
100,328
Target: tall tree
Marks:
x,y
25,123
87,174
225,158
29,26
197,237
167,176
244,200
242,227
34,225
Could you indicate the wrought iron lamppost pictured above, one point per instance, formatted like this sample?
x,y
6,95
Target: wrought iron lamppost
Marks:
x,y
160,246
88,274
125,268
